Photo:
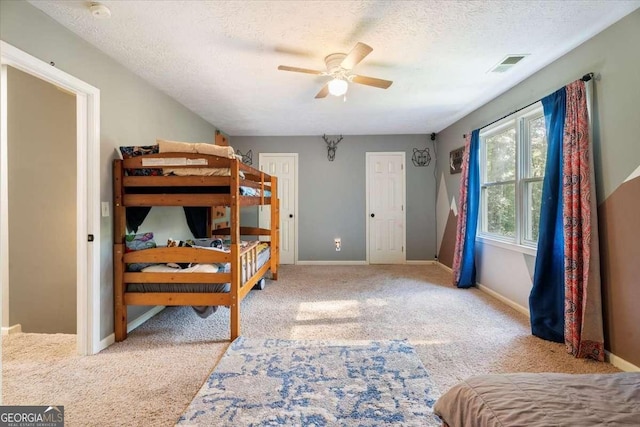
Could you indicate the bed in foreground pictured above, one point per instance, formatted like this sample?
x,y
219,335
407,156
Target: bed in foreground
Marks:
x,y
544,399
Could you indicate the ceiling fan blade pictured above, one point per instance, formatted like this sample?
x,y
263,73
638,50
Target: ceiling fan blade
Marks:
x,y
372,81
323,92
356,55
293,51
299,70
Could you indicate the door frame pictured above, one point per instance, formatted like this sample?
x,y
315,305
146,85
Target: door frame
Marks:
x,y
368,156
261,156
87,191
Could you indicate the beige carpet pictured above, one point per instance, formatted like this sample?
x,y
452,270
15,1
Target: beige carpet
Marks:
x,y
150,378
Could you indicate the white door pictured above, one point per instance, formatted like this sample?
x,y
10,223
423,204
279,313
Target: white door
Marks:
x,y
386,208
285,167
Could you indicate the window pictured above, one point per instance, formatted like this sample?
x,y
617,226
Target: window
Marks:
x,y
513,154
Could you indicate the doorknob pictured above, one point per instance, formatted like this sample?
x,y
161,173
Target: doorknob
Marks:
x,y
290,215
373,215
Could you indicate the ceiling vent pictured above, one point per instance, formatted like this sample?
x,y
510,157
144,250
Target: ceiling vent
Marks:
x,y
508,62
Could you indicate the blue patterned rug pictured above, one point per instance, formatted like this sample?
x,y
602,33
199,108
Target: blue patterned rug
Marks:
x,y
315,383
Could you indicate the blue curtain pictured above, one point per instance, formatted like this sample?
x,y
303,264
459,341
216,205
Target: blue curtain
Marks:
x,y
468,263
546,302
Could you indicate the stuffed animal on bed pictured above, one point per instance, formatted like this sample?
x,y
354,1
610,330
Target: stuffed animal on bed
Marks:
x,y
179,244
207,243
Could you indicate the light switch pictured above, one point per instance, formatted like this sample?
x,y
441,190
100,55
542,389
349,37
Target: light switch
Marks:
x,y
105,208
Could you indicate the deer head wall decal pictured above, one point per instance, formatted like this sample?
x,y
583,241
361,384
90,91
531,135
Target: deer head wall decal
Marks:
x,y
332,146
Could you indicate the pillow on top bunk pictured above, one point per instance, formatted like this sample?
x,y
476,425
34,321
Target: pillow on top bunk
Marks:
x,y
140,150
175,146
195,147
138,242
216,150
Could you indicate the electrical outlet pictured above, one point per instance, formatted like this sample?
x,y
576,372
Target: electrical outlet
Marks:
x,y
338,244
105,208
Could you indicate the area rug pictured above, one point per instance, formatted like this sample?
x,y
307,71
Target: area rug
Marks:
x,y
315,383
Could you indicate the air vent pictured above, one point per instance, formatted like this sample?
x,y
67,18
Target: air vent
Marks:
x,y
508,62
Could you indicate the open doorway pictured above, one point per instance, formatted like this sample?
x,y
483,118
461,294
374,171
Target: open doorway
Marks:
x,y
41,128
86,239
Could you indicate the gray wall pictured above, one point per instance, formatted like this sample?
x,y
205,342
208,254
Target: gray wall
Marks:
x,y
332,195
614,54
42,205
132,113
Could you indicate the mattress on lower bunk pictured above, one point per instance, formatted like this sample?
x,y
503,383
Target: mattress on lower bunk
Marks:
x,y
263,256
203,311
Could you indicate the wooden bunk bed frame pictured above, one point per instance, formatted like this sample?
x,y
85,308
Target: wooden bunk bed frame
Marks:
x,y
126,193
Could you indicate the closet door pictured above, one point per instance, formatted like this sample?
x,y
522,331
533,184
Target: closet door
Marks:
x,y
285,167
386,216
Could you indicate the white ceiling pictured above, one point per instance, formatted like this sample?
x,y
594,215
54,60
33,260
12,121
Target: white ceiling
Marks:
x,y
220,58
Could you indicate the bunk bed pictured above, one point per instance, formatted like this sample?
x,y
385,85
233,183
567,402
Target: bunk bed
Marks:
x,y
182,183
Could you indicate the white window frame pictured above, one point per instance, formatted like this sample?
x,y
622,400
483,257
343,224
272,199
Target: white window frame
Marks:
x,y
520,122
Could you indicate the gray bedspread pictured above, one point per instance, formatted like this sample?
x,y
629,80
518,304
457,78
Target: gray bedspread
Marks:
x,y
543,400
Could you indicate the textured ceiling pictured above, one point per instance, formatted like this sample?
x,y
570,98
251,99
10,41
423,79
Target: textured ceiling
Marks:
x,y
220,58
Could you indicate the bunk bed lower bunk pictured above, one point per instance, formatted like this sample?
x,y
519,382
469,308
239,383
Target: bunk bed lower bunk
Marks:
x,y
220,277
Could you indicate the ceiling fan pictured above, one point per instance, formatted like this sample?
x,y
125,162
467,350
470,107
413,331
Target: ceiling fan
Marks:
x,y
339,68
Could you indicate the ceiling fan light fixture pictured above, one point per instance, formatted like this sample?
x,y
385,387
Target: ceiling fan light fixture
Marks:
x,y
339,70
338,87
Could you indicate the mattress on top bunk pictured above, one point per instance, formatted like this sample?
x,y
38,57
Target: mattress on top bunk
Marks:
x,y
198,172
244,190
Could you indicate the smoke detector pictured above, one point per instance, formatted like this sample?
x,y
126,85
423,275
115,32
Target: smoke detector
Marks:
x,y
100,11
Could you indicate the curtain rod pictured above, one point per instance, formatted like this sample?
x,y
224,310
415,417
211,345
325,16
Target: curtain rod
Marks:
x,y
584,78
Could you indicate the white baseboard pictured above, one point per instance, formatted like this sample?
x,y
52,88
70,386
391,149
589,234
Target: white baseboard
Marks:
x,y
332,263
106,342
144,317
616,361
131,326
494,294
444,266
15,329
620,363
408,262
504,299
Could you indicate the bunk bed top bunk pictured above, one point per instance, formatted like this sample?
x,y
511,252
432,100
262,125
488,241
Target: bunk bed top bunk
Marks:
x,y
197,180
191,187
